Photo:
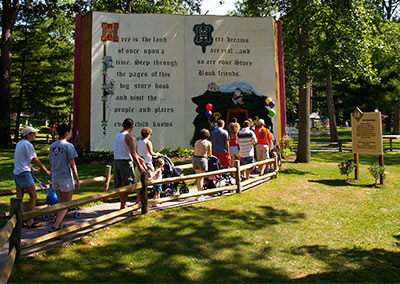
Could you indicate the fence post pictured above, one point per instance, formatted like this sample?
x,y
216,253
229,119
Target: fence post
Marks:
x,y
15,238
108,178
238,177
143,193
276,167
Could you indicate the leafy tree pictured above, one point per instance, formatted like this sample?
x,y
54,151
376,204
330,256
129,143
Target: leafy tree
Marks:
x,y
296,16
42,69
148,6
343,34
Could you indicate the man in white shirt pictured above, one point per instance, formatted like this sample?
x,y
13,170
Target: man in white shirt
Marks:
x,y
124,154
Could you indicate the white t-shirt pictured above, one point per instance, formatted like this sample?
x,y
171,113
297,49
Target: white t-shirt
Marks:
x,y
24,153
143,151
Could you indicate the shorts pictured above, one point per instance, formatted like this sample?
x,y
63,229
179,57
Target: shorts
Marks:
x,y
150,169
224,158
200,163
157,188
24,180
246,160
63,185
234,150
124,173
262,152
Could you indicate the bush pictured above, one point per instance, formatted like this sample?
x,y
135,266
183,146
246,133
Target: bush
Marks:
x,y
376,171
108,156
286,146
346,167
178,152
44,129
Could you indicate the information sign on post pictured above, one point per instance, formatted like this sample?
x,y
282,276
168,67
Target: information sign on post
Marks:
x,y
366,131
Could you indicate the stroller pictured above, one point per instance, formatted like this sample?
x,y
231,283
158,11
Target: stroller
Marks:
x,y
219,180
169,189
51,197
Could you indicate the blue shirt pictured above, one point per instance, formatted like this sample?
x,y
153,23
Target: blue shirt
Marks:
x,y
60,153
218,138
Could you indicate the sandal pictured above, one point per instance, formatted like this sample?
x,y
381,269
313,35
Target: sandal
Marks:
x,y
33,225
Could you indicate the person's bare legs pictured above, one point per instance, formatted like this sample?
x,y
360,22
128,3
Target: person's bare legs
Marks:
x,y
123,197
199,181
32,200
247,174
64,196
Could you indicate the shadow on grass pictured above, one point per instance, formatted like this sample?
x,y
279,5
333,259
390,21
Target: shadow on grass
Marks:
x,y
191,244
337,182
295,172
352,265
390,159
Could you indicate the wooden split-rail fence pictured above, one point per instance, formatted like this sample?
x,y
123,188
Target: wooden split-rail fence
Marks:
x,y
12,230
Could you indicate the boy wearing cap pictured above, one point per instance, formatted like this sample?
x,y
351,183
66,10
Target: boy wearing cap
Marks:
x,y
24,154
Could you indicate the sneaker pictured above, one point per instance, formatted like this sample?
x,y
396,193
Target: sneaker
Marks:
x,y
54,229
200,198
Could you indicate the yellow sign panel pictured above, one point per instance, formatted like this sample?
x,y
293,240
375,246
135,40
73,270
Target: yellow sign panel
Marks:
x,y
366,131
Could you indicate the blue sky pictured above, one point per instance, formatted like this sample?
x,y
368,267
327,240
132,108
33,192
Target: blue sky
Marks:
x,y
215,8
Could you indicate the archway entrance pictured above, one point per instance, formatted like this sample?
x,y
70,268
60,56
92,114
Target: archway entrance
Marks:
x,y
240,114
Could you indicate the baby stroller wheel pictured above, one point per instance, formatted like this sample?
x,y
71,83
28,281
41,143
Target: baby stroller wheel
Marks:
x,y
168,192
77,215
45,217
184,189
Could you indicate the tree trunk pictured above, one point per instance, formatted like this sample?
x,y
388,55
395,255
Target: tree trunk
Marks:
x,y
21,92
7,23
396,119
331,107
303,148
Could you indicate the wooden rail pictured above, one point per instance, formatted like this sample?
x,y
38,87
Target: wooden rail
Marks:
x,y
11,231
390,138
82,182
43,210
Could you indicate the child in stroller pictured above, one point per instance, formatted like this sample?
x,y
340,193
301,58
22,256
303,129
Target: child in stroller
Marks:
x,y
169,171
219,180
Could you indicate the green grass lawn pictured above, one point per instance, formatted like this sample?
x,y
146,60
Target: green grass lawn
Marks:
x,y
308,225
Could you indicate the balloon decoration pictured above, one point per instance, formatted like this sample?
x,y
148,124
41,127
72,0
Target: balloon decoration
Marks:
x,y
209,107
51,197
271,104
271,113
208,113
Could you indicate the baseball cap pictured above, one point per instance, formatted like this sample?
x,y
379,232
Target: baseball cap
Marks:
x,y
261,121
29,129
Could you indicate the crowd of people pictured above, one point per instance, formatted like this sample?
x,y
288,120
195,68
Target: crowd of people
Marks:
x,y
252,141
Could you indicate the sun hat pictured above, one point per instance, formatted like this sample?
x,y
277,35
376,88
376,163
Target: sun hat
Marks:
x,y
29,129
261,121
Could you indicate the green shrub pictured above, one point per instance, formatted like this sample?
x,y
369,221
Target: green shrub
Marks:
x,y
376,171
346,167
286,146
44,129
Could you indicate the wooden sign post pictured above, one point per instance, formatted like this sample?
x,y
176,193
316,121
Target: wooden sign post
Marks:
x,y
366,130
